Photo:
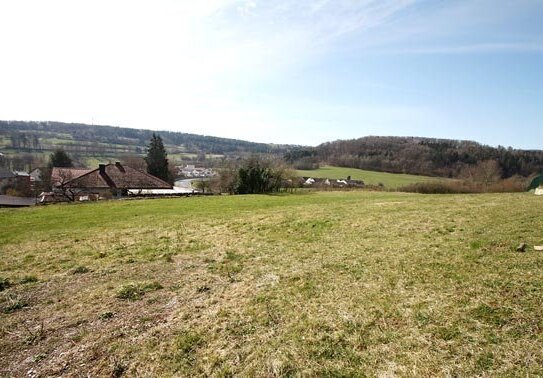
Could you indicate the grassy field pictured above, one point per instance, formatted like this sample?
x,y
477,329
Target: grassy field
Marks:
x,y
389,180
317,284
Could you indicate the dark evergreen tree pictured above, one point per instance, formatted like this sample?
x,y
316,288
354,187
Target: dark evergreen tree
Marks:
x,y
60,158
157,159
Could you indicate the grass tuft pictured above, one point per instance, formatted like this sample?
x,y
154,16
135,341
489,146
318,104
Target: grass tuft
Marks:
x,y
185,346
13,303
497,316
4,284
80,270
107,315
119,368
136,290
28,279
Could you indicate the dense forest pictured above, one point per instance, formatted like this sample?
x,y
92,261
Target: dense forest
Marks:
x,y
423,156
31,135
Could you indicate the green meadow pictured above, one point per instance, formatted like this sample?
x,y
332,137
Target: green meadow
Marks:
x,y
314,284
389,180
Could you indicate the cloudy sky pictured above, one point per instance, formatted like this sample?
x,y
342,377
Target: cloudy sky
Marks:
x,y
283,71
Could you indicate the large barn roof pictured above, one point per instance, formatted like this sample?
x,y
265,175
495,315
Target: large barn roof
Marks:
x,y
117,176
5,173
61,175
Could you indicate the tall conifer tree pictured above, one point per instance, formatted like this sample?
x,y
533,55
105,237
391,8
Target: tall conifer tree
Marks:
x,y
157,158
60,158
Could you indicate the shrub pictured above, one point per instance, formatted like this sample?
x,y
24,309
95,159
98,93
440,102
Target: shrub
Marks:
x,y
260,176
434,188
514,184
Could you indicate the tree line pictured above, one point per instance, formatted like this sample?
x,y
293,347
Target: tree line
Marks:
x,y
25,141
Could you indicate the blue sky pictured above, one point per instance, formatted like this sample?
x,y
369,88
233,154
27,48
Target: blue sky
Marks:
x,y
302,72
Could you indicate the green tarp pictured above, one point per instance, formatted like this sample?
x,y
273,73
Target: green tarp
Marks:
x,y
536,182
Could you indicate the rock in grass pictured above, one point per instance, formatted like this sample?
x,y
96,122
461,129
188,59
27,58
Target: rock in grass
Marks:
x,y
538,247
521,247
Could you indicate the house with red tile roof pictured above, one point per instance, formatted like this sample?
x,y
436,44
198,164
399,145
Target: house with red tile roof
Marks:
x,y
108,180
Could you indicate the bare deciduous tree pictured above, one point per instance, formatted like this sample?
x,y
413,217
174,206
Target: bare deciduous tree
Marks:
x,y
485,172
136,162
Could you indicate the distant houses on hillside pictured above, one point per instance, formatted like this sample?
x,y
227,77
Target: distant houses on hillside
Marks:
x,y
191,171
332,183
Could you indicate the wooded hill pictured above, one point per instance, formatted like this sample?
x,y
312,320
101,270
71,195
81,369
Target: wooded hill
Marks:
x,y
21,136
421,156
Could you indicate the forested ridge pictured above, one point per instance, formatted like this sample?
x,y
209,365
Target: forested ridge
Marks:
x,y
25,135
421,156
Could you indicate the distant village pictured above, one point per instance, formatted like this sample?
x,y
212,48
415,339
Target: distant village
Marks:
x,y
191,171
116,181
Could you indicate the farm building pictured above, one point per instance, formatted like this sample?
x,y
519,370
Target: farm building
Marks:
x,y
6,177
108,180
334,183
17,181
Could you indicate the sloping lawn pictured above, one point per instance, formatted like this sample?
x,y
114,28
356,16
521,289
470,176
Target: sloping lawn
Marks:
x,y
389,180
318,284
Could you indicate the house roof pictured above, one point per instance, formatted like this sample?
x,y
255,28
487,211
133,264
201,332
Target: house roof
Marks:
x,y
11,201
117,176
60,175
5,173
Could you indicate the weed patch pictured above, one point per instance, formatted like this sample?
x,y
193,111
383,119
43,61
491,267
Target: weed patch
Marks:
x,y
496,316
185,345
